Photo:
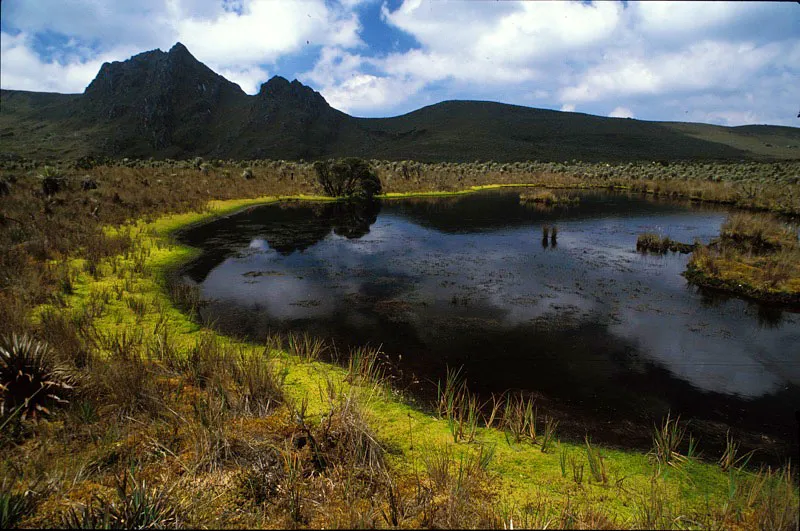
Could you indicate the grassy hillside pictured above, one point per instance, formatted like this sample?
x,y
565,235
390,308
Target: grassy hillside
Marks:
x,y
462,131
758,141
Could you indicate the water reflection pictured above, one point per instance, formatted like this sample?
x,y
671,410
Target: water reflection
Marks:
x,y
594,327
286,228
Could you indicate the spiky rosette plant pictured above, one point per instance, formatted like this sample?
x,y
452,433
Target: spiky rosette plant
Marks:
x,y
31,382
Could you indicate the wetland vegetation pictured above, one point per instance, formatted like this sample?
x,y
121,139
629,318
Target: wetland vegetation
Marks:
x,y
168,423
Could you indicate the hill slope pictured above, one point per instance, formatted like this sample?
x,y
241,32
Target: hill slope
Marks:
x,y
170,105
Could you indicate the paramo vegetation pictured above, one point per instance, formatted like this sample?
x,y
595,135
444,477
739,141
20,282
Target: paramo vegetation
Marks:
x,y
146,417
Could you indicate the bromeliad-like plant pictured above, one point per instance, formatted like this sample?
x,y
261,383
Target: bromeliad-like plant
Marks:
x,y
31,382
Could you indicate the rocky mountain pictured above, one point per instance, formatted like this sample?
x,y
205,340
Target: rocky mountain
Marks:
x,y
170,105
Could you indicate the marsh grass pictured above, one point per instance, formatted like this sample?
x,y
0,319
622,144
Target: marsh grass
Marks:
x,y
458,406
520,418
260,384
137,505
546,197
652,242
730,458
758,232
15,506
666,440
364,366
756,256
305,346
460,481
495,408
597,465
549,433
577,468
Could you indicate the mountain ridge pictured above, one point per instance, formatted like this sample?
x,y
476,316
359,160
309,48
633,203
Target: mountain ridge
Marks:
x,y
170,105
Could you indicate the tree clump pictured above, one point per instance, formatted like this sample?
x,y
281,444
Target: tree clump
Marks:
x,y
350,177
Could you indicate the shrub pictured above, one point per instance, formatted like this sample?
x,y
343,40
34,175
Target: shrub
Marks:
x,y
30,380
52,181
350,177
88,184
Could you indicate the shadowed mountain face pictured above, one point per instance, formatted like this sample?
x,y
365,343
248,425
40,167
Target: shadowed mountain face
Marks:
x,y
160,102
170,105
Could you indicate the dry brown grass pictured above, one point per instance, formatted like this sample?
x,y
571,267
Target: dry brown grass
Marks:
x,y
757,255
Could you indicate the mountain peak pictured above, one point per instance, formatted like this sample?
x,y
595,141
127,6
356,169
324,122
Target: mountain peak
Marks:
x,y
178,48
279,88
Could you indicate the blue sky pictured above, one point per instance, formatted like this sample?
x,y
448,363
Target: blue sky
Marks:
x,y
729,63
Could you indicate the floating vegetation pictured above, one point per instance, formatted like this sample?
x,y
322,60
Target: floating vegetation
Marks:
x,y
652,242
548,198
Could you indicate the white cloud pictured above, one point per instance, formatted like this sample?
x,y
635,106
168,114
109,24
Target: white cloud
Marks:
x,y
568,107
249,79
621,112
23,69
700,66
233,38
264,31
677,21
340,78
367,92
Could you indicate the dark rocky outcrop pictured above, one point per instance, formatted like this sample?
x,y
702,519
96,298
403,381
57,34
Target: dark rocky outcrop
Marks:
x,y
168,100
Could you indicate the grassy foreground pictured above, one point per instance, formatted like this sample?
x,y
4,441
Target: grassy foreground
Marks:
x,y
170,424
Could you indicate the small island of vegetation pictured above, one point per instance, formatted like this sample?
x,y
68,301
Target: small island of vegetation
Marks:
x,y
548,198
756,256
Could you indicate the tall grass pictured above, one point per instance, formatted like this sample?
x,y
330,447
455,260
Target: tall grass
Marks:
x,y
597,465
666,440
364,366
458,406
305,346
260,384
730,457
759,232
15,506
520,418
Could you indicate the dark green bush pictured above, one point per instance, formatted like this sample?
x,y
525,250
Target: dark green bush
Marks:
x,y
350,177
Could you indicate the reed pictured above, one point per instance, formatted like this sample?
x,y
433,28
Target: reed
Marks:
x,y
729,458
548,435
666,440
520,418
597,465
364,366
458,406
305,346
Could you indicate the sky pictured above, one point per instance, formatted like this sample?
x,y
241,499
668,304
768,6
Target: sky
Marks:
x,y
727,63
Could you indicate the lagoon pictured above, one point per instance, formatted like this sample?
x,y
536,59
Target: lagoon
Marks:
x,y
606,338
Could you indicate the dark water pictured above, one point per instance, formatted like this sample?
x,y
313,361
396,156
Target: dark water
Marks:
x,y
606,338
